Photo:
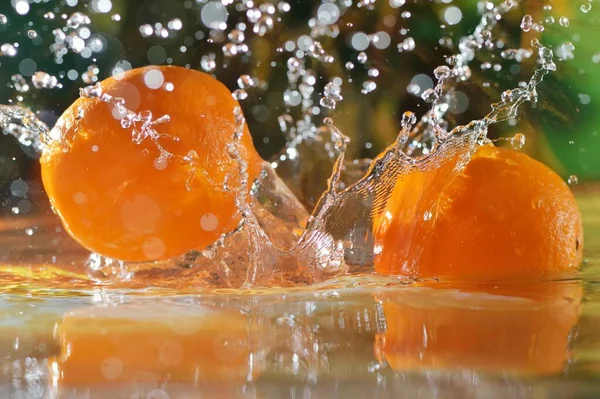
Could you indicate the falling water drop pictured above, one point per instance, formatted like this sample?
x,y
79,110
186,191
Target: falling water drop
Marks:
x,y
19,83
43,80
8,50
208,62
518,141
526,23
573,180
368,87
332,93
246,81
585,8
240,94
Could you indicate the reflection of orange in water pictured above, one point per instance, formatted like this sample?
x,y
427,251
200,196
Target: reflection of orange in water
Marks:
x,y
116,198
522,328
149,345
504,216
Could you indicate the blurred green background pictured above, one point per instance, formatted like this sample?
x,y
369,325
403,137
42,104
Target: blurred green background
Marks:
x,y
561,130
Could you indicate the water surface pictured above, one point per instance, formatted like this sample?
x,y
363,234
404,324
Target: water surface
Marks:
x,y
65,336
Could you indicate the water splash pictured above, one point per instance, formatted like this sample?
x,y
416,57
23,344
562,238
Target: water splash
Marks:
x,y
338,233
143,127
337,236
24,125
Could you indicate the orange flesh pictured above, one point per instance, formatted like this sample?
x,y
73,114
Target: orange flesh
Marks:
x,y
110,193
522,329
136,344
504,216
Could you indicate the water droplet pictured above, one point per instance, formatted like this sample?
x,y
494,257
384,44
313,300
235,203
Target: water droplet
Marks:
x,y
3,19
453,15
518,141
19,188
175,24
285,122
292,98
442,72
240,94
526,23
43,80
332,93
8,50
91,75
507,96
283,7
263,25
573,180
19,83
362,57
565,51
518,55
429,95
328,103
77,19
146,30
368,87
328,13
381,40
208,62
408,120
564,21
21,6
585,8
236,36
407,44
230,50
214,15
293,64
246,81
585,99
359,41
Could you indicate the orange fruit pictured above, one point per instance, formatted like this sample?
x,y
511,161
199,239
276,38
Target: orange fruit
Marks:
x,y
522,328
151,344
504,216
117,197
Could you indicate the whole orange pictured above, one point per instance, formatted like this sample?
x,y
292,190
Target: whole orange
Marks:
x,y
504,216
116,196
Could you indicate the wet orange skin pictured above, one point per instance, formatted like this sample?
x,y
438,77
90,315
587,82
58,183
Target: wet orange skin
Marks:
x,y
110,192
520,328
504,216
